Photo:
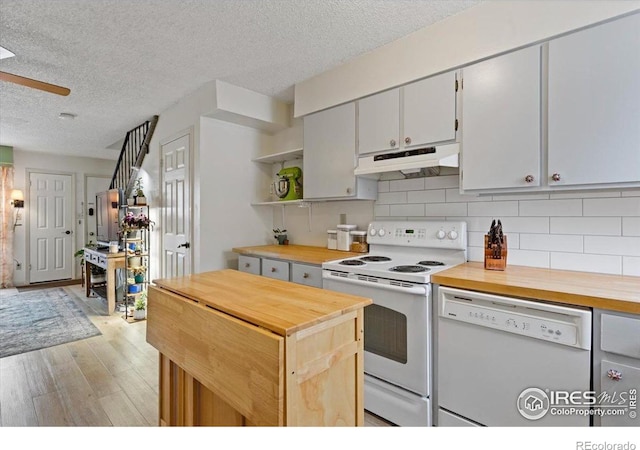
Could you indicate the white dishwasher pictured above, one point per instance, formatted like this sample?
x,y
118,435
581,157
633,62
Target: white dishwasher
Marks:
x,y
510,362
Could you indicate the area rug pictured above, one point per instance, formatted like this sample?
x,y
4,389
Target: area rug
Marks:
x,y
39,319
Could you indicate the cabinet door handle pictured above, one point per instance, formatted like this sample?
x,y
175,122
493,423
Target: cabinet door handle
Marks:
x,y
555,177
529,178
247,264
349,190
392,142
614,374
305,275
273,269
407,140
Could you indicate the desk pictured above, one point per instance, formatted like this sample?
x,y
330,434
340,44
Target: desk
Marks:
x,y
108,261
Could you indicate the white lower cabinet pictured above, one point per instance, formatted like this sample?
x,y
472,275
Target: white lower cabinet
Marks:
x,y
306,274
275,269
616,368
249,264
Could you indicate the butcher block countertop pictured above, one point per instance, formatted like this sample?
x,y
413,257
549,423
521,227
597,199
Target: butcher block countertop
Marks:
x,y
612,292
279,306
296,253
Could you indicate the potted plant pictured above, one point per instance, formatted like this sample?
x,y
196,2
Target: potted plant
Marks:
x,y
138,273
281,236
140,306
132,222
140,198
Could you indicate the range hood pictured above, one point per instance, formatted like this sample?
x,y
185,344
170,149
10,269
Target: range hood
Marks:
x,y
409,161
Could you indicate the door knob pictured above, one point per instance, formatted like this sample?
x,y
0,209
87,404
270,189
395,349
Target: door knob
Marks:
x,y
555,177
529,178
185,245
407,140
68,232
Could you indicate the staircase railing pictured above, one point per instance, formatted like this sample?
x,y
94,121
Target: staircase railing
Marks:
x,y
134,149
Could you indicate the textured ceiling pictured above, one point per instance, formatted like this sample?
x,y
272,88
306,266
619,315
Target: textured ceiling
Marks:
x,y
125,61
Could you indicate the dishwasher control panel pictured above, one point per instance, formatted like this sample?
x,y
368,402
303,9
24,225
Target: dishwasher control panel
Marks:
x,y
552,323
513,322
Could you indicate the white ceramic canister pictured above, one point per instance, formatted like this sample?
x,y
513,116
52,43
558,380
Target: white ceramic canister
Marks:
x,y
344,236
332,239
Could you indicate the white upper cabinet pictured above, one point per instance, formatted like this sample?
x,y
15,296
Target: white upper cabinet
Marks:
x,y
430,110
330,156
420,113
501,122
379,122
594,105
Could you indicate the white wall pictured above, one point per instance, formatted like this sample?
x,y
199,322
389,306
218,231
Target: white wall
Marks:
x,y
324,216
46,162
490,28
597,231
229,182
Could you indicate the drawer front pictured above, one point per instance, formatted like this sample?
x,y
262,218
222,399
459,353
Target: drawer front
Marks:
x,y
624,382
307,275
275,269
620,335
249,264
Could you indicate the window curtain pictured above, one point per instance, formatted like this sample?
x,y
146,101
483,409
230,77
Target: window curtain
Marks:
x,y
6,230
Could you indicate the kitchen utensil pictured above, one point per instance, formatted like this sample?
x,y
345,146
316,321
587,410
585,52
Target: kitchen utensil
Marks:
x,y
288,186
495,243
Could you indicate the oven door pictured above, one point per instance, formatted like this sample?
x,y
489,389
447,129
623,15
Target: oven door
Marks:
x,y
396,330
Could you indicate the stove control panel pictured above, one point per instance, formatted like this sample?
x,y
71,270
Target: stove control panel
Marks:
x,y
433,234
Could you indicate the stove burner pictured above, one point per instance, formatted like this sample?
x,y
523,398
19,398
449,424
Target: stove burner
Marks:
x,y
410,269
375,258
431,263
352,262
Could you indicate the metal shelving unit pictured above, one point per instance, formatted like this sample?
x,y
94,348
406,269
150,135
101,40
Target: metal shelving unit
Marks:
x,y
136,247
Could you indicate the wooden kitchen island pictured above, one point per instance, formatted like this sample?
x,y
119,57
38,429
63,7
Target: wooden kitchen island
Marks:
x,y
242,349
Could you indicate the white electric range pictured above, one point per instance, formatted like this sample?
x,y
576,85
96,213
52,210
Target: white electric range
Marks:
x,y
396,275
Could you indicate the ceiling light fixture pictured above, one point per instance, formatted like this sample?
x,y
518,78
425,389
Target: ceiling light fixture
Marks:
x,y
4,53
67,116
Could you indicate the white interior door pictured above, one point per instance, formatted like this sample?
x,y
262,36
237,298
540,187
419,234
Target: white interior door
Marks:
x,y
51,227
93,185
176,254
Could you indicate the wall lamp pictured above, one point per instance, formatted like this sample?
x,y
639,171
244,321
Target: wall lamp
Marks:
x,y
17,200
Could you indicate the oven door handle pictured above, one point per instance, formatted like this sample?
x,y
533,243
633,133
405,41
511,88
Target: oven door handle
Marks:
x,y
417,289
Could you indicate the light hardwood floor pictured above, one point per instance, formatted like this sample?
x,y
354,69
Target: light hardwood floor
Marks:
x,y
105,380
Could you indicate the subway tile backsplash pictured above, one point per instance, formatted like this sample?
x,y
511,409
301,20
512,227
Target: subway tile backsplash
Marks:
x,y
597,231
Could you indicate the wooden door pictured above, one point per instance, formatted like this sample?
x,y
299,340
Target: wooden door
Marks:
x,y
430,110
176,208
594,105
51,227
379,122
501,121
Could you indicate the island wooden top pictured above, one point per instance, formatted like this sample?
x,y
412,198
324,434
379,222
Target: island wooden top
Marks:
x,y
296,253
612,292
278,306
